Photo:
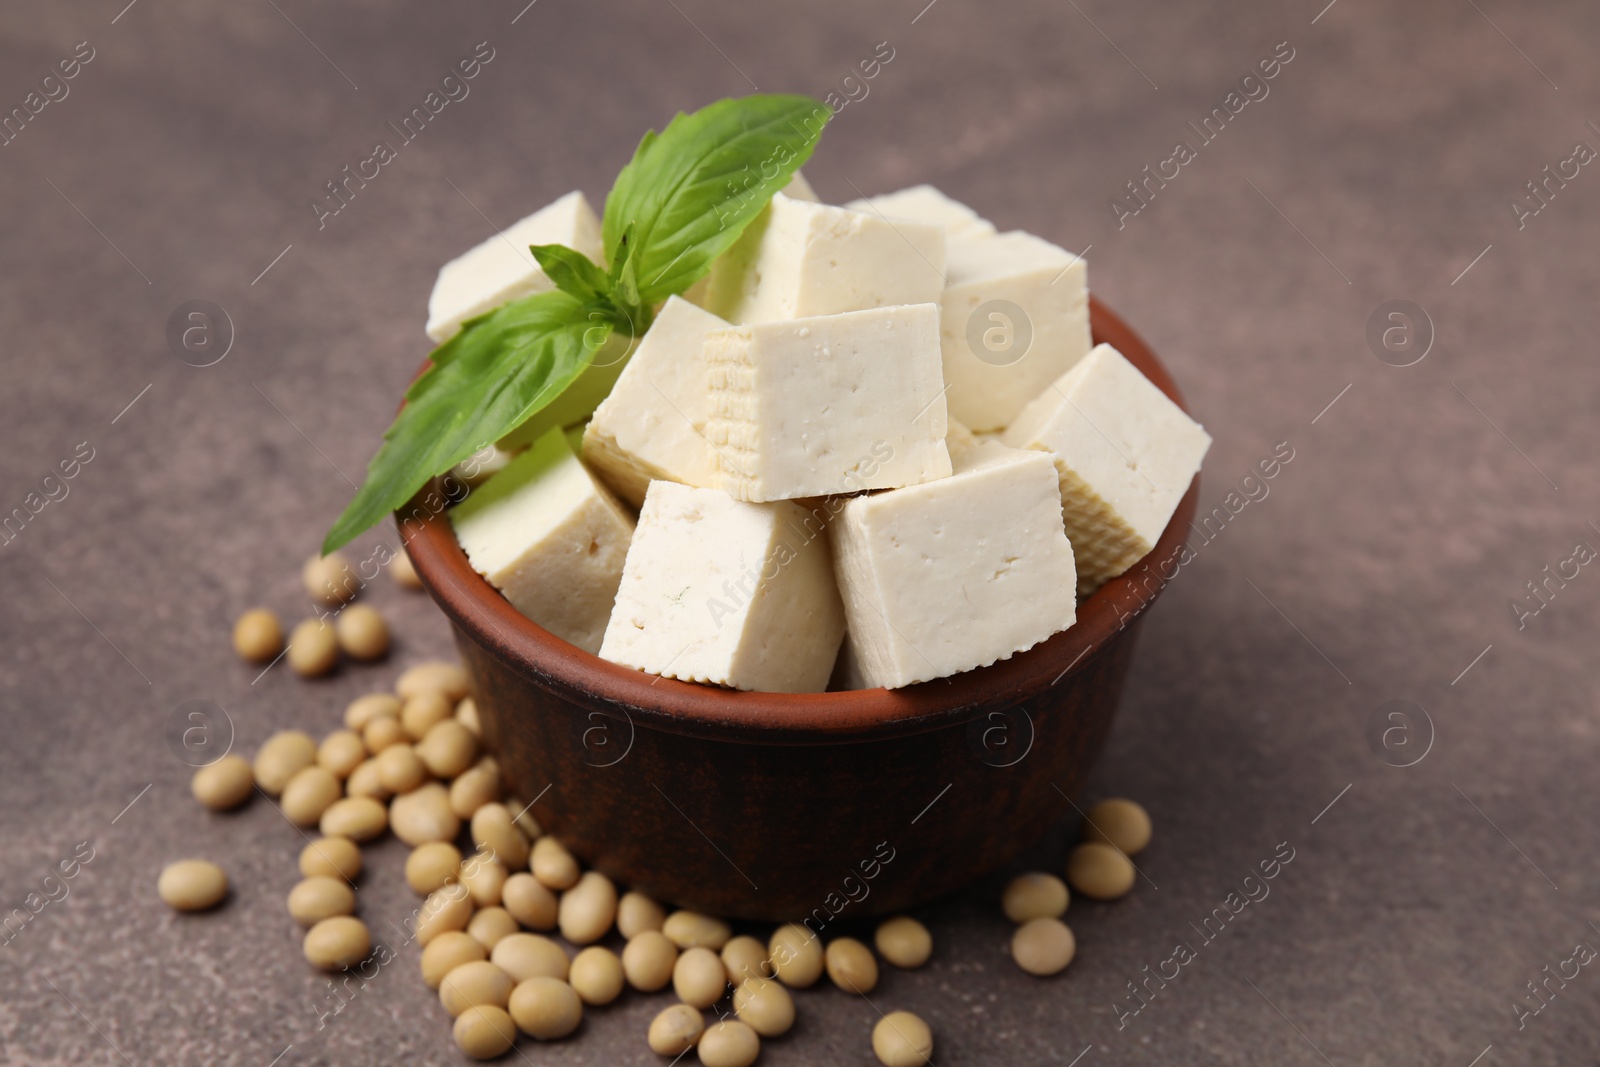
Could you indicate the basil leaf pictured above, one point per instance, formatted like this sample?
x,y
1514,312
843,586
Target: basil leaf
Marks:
x,y
486,380
624,275
691,190
572,271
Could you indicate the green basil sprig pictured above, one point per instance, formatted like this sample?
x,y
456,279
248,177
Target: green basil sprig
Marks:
x,y
682,201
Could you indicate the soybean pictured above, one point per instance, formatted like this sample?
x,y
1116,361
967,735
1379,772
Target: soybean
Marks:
x,y
484,1031
258,636
901,1039
699,977
745,957
765,1006
1099,871
225,784
447,952
730,1043
851,965
588,909
484,878
309,793
382,732
796,955
596,975
467,715
420,713
423,815
675,1030
320,898
488,926
553,865
192,885
494,832
363,781
331,857
358,818
281,757
446,909
637,913
447,749
404,574
546,1008
336,943
362,633
471,984
648,961
1043,946
313,649
904,942
529,902
1035,895
525,956
342,752
1122,824
690,929
432,865
363,710
329,580
401,770
436,676
478,786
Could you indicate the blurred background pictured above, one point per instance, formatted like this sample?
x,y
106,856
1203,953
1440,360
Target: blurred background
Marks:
x,y
1444,860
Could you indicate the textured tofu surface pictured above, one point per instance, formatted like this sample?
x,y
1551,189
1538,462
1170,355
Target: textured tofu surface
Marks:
x,y
834,404
501,269
653,425
726,592
954,574
1125,454
800,259
997,359
551,538
924,203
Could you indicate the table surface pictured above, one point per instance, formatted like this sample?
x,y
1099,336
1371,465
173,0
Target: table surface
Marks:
x,y
1384,563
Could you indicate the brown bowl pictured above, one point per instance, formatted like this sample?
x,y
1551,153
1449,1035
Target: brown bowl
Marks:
x,y
798,806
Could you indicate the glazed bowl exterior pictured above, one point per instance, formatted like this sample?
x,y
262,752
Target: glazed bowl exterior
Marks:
x,y
814,806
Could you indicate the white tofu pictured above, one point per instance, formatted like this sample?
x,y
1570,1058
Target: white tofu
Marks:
x,y
958,438
721,591
955,574
800,259
546,534
653,425
483,464
1125,455
924,203
998,356
834,404
799,189
501,268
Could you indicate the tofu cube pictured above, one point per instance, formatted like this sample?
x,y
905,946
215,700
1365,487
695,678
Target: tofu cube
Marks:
x,y
924,203
955,574
800,259
501,269
721,591
1014,317
834,404
653,425
1125,455
546,534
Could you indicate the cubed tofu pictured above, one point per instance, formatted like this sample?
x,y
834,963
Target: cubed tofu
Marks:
x,y
551,538
1125,454
501,269
726,592
958,438
833,404
800,259
1014,317
653,425
955,574
924,203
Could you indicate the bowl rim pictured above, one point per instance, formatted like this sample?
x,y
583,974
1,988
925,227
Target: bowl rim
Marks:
x,y
479,611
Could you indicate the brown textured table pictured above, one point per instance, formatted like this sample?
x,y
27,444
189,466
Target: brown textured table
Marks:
x,y
1380,566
